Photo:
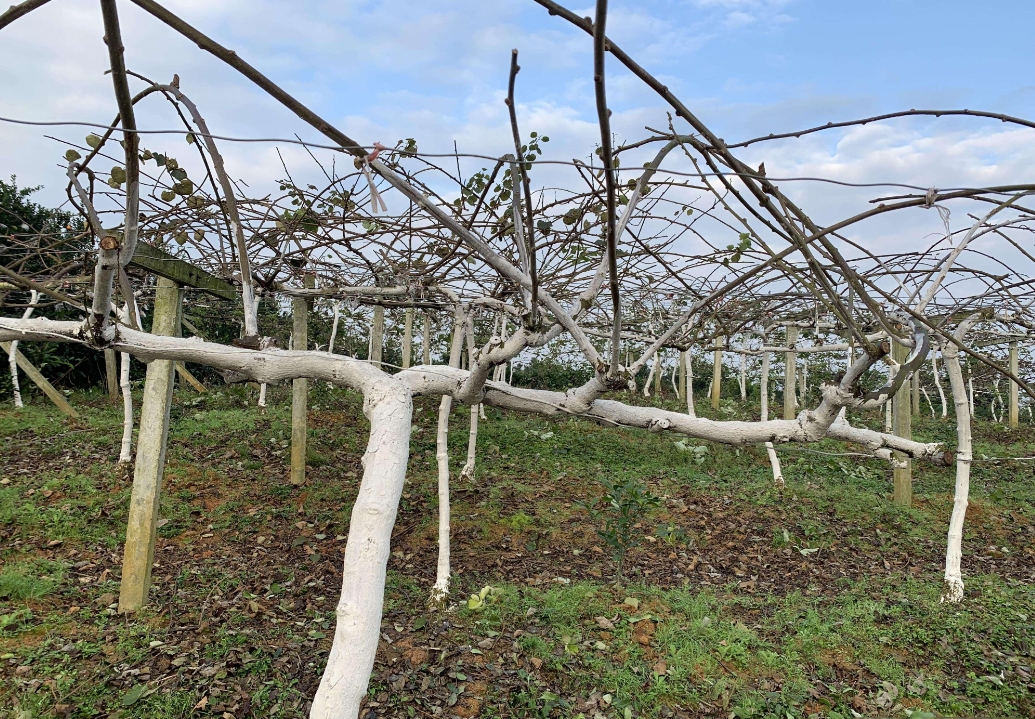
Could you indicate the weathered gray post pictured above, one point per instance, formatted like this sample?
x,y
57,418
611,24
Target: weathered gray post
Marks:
x,y
111,374
682,374
1014,399
425,340
717,373
790,368
377,335
902,427
916,392
300,385
139,552
407,338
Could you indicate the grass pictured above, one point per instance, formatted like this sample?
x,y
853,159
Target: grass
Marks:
x,y
820,599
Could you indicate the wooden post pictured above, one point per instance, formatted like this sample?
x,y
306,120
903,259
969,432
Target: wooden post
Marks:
x,y
407,338
300,385
716,373
763,388
111,374
901,426
425,340
1014,404
790,368
139,552
377,335
916,391
682,374
40,381
657,374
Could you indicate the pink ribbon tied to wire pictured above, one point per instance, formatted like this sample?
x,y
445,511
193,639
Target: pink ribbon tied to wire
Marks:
x,y
375,197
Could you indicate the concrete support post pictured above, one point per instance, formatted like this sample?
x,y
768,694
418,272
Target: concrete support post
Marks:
x,y
901,426
790,368
142,525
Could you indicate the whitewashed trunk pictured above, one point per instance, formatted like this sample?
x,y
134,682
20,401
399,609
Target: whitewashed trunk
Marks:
x,y
690,409
743,377
334,327
440,590
12,360
774,461
953,590
12,356
467,473
388,406
650,376
764,388
970,386
126,453
938,384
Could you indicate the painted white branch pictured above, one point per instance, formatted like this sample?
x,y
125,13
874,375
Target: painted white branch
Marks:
x,y
440,590
467,473
938,382
774,461
334,326
675,384
251,324
494,260
105,269
743,377
12,356
930,404
691,411
953,590
126,451
764,388
970,385
650,376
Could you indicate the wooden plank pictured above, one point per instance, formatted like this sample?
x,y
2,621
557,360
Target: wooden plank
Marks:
x,y
149,468
189,378
40,381
150,258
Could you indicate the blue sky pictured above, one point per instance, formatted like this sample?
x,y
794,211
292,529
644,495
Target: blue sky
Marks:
x,y
437,71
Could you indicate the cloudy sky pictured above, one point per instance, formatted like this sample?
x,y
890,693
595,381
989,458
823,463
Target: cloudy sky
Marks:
x,y
437,71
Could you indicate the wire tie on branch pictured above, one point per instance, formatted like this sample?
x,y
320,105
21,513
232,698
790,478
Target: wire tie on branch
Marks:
x,y
375,197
